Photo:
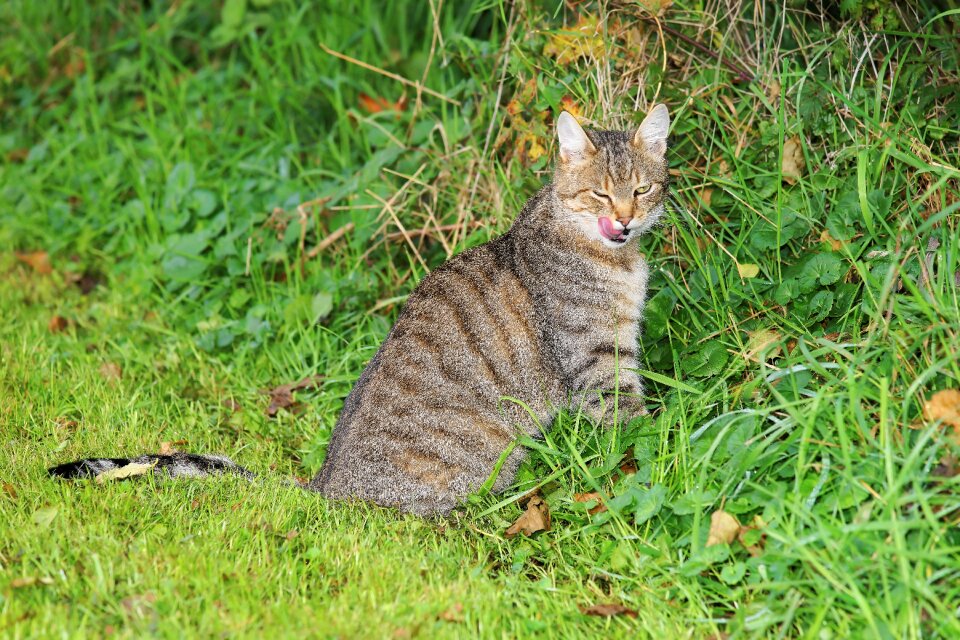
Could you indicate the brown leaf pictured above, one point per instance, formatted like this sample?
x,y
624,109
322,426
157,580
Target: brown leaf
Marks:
x,y
791,167
282,397
39,261
29,581
18,155
535,518
588,497
945,406
376,105
110,371
723,528
10,490
608,610
656,7
759,343
166,448
58,324
293,533
453,614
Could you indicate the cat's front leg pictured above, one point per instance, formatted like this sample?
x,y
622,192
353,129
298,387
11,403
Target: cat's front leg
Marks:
x,y
607,386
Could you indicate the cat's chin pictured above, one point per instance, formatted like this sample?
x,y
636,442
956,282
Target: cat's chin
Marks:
x,y
616,243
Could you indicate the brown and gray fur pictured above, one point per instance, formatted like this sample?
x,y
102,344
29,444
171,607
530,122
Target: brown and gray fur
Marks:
x,y
500,338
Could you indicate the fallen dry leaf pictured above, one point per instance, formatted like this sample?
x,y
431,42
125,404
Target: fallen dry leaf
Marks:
x,y
282,397
535,518
747,270
293,533
760,342
944,405
608,610
453,614
371,104
723,528
10,490
656,7
568,104
29,581
588,497
58,324
126,471
791,168
39,261
166,448
581,40
110,371
835,244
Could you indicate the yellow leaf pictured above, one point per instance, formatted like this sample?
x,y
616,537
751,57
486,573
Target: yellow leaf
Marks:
x,y
126,471
583,40
723,528
747,270
792,165
760,341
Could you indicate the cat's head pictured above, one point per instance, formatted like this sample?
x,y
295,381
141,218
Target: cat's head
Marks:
x,y
612,184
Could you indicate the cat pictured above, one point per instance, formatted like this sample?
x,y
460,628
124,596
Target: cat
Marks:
x,y
498,339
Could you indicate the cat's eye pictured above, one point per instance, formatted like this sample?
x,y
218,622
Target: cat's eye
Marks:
x,y
601,195
642,189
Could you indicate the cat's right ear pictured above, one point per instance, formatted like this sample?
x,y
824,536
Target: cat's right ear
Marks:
x,y
574,142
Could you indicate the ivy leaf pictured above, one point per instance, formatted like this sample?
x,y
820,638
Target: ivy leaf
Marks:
x,y
842,221
820,269
657,313
765,236
786,291
709,360
648,502
819,306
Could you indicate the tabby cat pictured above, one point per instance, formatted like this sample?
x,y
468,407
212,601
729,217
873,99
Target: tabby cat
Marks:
x,y
498,339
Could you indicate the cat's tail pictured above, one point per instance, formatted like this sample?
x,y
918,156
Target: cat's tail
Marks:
x,y
174,465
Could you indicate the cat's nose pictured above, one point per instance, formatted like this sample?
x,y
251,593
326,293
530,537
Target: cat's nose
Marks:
x,y
625,221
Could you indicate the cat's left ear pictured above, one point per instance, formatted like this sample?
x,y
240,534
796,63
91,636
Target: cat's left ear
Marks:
x,y
651,135
575,144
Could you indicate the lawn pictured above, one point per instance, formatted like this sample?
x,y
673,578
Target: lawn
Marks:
x,y
200,202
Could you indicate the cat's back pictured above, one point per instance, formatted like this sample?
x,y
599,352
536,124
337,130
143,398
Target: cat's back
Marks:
x,y
429,406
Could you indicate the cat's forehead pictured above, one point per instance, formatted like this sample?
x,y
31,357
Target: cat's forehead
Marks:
x,y
620,158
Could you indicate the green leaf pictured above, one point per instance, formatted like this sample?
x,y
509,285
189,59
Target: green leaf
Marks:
x,y
820,269
694,500
648,503
733,573
786,291
819,306
44,516
233,12
321,305
202,201
709,360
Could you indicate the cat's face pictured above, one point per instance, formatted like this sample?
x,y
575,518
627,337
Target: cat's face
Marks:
x,y
612,183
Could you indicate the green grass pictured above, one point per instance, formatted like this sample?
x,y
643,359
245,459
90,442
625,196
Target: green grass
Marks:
x,y
166,152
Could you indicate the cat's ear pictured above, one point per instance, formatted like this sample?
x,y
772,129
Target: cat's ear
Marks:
x,y
651,135
574,142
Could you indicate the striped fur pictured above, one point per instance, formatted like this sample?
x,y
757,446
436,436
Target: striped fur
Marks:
x,y
498,339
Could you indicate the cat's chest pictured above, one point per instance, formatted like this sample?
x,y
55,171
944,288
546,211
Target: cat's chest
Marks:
x,y
626,289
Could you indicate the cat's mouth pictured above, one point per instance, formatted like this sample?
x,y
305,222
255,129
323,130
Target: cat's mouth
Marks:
x,y
612,233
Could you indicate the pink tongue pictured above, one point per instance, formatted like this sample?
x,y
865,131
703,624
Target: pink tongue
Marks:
x,y
606,228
